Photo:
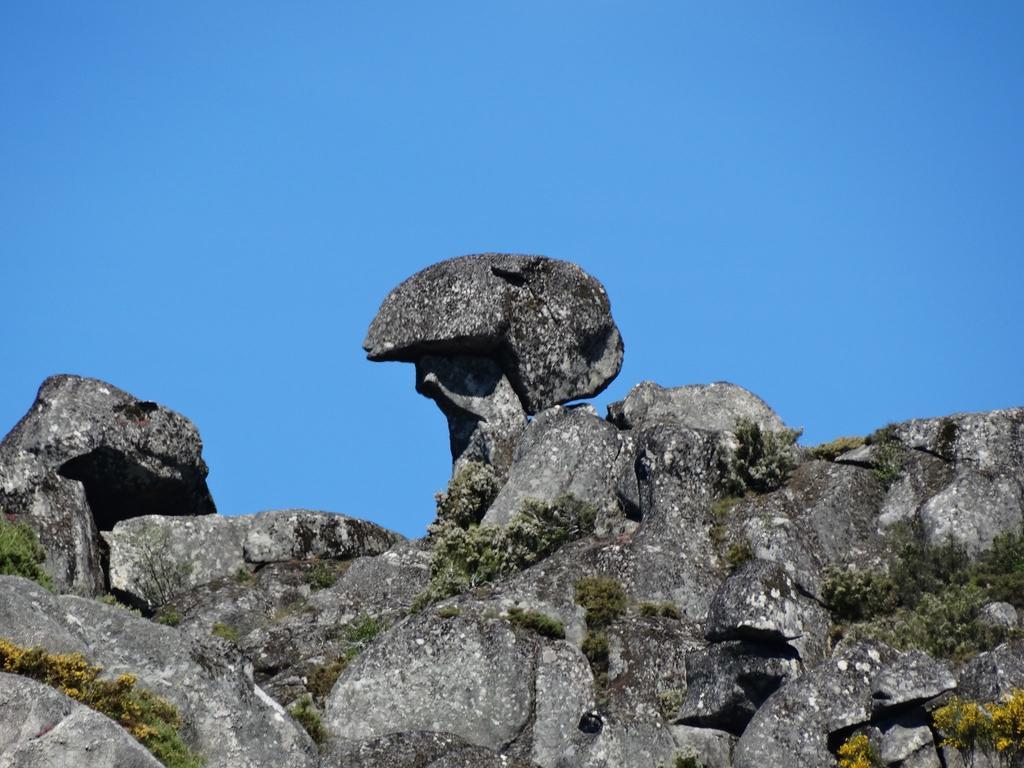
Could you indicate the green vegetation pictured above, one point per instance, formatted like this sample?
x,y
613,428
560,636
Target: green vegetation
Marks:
x,y
668,610
945,444
324,574
685,761
605,602
889,455
307,715
448,612
469,495
21,553
152,721
858,752
994,729
762,460
225,632
355,637
931,596
168,615
604,599
739,553
244,576
467,557
538,622
669,703
833,450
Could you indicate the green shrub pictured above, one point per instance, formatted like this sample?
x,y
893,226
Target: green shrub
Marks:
x,y
361,632
739,553
945,442
21,554
668,610
595,648
307,715
323,677
448,612
225,632
762,460
244,576
853,595
604,599
464,558
888,462
322,575
833,450
152,721
537,622
669,703
168,615
931,597
470,494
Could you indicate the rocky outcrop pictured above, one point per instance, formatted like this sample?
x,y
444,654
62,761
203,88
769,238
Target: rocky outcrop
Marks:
x,y
547,323
154,559
713,407
495,337
50,730
416,749
571,451
802,721
485,417
228,719
88,455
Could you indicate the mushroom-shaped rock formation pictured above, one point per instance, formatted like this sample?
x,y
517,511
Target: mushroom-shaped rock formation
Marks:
x,y
87,455
538,326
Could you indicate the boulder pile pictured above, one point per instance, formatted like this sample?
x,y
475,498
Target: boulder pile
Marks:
x,y
675,584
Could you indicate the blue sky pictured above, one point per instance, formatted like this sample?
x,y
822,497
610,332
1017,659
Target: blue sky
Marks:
x,y
205,203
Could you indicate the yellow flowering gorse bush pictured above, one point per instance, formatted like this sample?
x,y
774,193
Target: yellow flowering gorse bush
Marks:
x,y
152,720
995,729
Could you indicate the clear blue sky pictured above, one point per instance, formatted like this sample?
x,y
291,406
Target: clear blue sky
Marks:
x,y
205,203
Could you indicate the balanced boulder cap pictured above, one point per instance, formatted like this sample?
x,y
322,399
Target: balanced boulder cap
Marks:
x,y
547,323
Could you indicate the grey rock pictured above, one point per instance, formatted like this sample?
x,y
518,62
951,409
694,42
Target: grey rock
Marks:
x,y
462,676
995,674
564,693
711,748
288,629
233,723
923,476
299,534
973,510
485,417
999,615
794,725
545,322
991,442
713,407
50,730
760,601
87,455
909,747
727,682
913,676
415,749
569,451
155,560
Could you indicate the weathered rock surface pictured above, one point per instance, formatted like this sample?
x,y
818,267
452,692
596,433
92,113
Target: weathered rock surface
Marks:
x,y
43,728
288,626
713,407
87,455
155,559
485,417
990,676
727,682
570,451
761,602
545,322
416,749
795,724
473,678
226,718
